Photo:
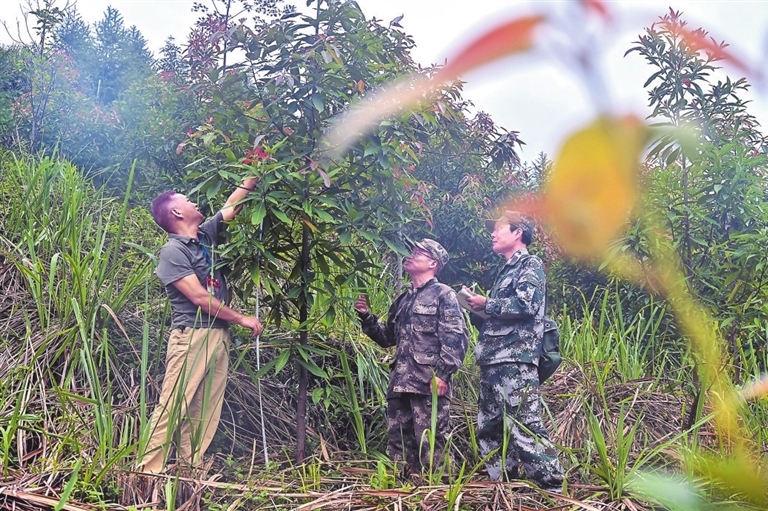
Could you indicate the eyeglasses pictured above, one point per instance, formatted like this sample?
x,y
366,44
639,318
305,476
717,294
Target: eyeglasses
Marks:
x,y
421,252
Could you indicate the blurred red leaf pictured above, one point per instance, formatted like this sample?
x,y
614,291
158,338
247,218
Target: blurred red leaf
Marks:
x,y
324,175
756,389
512,37
699,40
598,7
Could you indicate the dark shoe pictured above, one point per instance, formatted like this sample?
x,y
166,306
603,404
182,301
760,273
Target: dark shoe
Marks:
x,y
510,475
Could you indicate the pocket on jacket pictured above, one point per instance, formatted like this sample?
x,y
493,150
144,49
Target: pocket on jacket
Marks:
x,y
495,328
424,318
425,358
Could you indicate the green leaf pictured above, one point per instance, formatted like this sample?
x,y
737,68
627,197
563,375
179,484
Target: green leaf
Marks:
x,y
281,216
70,486
282,359
258,214
324,215
330,316
313,368
318,103
265,369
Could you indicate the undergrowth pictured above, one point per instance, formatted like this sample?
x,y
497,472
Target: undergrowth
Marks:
x,y
82,326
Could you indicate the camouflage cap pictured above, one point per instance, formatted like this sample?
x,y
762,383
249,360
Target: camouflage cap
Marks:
x,y
435,251
515,219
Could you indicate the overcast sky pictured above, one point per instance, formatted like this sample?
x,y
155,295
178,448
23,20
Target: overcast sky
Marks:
x,y
535,95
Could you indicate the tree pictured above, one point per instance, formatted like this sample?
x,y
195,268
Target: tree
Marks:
x,y
94,96
707,193
73,37
309,226
469,168
171,59
13,83
123,57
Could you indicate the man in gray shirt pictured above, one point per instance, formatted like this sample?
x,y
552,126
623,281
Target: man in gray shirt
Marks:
x,y
197,358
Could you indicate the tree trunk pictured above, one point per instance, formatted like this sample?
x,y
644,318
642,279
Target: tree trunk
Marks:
x,y
301,404
693,413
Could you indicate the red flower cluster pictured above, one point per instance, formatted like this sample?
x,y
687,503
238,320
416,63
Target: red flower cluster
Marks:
x,y
255,154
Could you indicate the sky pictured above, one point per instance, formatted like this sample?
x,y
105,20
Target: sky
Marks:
x,y
539,95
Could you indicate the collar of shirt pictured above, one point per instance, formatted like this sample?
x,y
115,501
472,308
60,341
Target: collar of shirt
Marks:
x,y
201,243
516,257
184,239
201,238
430,281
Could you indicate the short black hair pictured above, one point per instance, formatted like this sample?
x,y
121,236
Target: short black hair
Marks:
x,y
527,236
161,209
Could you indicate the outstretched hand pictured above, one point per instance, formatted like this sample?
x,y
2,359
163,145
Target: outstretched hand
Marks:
x,y
252,323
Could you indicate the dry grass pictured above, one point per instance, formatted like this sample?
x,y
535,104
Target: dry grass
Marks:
x,y
658,404
236,478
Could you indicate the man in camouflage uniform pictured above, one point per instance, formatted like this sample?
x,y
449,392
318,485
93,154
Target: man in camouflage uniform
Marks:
x,y
426,325
507,352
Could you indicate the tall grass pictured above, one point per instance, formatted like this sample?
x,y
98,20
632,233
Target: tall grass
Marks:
x,y
633,348
75,391
68,242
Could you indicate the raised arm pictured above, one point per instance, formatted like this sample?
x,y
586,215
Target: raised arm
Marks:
x,y
232,207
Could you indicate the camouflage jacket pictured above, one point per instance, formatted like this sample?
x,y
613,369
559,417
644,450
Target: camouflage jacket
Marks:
x,y
514,330
427,327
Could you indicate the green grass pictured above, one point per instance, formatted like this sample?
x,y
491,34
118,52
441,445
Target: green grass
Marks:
x,y
67,241
89,335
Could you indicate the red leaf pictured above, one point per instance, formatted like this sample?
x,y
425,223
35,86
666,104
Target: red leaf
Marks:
x,y
258,153
512,37
598,7
698,40
325,177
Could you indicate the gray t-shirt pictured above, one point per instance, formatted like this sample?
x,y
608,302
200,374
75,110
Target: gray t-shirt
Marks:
x,y
182,256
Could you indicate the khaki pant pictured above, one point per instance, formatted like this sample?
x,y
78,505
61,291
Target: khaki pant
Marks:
x,y
191,398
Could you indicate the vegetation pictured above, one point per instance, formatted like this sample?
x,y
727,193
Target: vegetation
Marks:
x,y
92,126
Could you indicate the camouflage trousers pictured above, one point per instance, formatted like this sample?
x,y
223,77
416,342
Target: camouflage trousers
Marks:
x,y
511,390
409,419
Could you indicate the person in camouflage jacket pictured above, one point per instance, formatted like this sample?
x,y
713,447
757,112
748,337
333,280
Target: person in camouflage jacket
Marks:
x,y
507,352
426,325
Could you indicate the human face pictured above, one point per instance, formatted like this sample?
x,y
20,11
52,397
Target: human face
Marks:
x,y
506,241
186,209
419,262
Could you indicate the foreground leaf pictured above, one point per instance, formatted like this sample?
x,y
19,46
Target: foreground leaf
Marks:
x,y
593,187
